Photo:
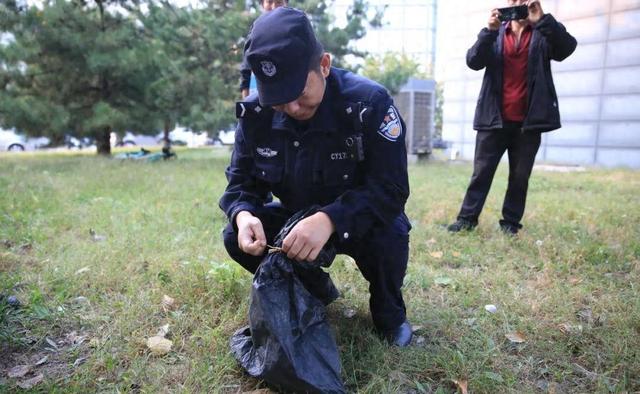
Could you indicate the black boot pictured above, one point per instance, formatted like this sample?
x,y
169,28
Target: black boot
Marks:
x,y
460,225
399,336
509,228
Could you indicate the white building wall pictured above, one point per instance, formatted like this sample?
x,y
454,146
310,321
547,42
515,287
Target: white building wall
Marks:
x,y
407,26
598,86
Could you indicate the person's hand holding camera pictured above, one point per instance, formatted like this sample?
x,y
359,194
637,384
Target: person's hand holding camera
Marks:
x,y
535,11
494,20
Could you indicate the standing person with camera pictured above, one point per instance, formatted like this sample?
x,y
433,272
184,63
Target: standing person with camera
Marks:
x,y
517,103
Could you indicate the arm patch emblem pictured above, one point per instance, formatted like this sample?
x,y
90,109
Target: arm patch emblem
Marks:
x,y
391,127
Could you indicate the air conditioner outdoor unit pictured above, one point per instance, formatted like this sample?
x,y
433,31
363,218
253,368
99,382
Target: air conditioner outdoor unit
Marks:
x,y
417,104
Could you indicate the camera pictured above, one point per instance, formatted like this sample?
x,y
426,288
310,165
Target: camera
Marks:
x,y
513,13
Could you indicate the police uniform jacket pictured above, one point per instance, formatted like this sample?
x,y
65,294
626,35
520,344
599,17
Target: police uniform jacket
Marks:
x,y
350,158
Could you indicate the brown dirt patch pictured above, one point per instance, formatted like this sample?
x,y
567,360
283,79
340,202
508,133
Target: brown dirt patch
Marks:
x,y
55,357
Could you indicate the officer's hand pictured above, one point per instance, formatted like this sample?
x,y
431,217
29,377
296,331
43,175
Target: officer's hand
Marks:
x,y
251,238
494,21
535,11
245,93
305,241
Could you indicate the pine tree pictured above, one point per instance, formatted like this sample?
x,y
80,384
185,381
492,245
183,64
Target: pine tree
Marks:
x,y
195,58
76,68
88,68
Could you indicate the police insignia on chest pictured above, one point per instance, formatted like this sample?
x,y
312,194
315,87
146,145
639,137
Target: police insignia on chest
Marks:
x,y
266,152
391,127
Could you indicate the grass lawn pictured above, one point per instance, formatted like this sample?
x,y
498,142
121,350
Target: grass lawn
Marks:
x,y
90,246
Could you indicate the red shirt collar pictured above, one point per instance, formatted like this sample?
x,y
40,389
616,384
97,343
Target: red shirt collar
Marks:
x,y
507,26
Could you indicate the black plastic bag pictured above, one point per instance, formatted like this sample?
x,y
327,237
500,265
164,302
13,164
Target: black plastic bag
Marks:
x,y
288,342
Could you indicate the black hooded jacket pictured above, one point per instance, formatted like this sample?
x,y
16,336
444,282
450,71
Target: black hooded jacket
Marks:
x,y
549,40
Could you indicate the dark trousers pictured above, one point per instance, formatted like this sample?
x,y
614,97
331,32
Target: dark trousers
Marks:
x,y
381,257
521,147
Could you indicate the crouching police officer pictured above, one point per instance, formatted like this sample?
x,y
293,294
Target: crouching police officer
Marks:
x,y
318,135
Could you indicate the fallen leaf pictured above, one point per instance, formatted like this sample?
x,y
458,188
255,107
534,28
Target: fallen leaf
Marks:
x,y
81,300
436,255
83,270
349,313
574,281
542,384
96,237
75,339
431,241
42,360
168,303
94,343
554,388
568,328
163,331
470,321
79,361
19,371
456,254
159,346
491,308
582,370
462,386
443,281
586,315
29,383
416,328
420,340
52,343
515,337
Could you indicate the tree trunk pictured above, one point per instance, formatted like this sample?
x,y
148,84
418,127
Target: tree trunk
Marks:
x,y
167,142
103,136
103,141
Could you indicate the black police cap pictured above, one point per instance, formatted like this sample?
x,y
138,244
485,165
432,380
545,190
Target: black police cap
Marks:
x,y
280,50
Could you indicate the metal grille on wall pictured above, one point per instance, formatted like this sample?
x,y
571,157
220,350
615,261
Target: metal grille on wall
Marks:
x,y
416,103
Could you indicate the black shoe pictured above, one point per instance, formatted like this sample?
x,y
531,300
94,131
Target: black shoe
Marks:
x,y
400,336
461,225
509,228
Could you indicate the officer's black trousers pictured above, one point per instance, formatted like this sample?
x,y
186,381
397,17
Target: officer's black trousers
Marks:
x,y
381,255
522,147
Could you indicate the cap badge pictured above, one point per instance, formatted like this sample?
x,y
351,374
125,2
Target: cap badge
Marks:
x,y
268,68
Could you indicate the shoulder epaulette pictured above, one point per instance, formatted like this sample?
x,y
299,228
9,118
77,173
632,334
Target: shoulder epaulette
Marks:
x,y
246,109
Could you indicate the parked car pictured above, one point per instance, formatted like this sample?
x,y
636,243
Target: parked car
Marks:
x,y
182,136
131,139
79,143
227,137
14,142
